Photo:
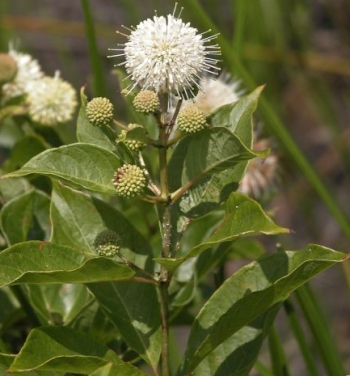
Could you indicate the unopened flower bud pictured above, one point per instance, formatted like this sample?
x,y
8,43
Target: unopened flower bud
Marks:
x,y
8,68
99,111
191,119
129,181
133,145
107,243
146,102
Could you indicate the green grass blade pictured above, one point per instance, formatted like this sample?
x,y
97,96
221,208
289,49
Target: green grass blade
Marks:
x,y
99,88
309,358
239,12
277,355
263,370
317,323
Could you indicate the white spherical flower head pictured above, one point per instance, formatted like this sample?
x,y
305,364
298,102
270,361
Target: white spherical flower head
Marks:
x,y
166,55
28,70
216,93
51,101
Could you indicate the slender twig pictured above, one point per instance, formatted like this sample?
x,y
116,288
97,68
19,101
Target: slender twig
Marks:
x,y
136,268
142,280
121,125
173,120
154,188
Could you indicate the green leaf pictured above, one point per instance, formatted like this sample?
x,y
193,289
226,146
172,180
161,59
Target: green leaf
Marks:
x,y
86,132
249,293
69,210
243,216
43,262
26,217
134,309
198,159
7,359
237,117
135,134
237,355
25,149
118,369
66,350
88,166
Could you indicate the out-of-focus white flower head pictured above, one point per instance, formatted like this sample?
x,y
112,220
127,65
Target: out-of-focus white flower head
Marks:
x,y
28,70
262,175
215,93
51,100
166,55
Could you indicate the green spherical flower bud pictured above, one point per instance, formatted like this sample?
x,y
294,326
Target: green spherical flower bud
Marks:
x,y
99,111
133,145
146,102
107,243
129,181
191,119
8,68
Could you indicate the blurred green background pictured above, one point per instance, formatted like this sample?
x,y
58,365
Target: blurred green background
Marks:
x,y
300,49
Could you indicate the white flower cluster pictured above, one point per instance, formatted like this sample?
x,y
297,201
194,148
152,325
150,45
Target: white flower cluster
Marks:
x,y
50,100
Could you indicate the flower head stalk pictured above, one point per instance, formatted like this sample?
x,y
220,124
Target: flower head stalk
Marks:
x,y
166,55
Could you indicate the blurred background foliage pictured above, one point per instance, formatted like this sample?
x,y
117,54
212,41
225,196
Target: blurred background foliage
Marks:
x,y
300,49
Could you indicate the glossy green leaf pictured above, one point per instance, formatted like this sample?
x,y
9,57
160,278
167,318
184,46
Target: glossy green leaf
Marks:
x,y
69,211
243,216
207,152
11,188
197,162
43,262
59,303
134,309
85,165
237,355
86,132
250,292
65,350
26,217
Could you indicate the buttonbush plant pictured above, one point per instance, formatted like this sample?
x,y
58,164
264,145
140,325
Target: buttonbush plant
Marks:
x,y
111,242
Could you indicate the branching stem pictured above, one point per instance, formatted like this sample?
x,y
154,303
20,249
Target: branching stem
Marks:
x,y
166,233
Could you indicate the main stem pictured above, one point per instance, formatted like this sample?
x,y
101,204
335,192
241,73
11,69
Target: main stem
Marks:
x,y
166,232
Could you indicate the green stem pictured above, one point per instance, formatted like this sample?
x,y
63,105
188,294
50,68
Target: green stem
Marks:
x,y
164,304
